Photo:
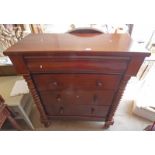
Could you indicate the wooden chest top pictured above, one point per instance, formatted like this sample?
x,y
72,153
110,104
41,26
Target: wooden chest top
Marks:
x,y
107,43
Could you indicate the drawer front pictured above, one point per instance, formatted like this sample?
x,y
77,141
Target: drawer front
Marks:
x,y
68,82
78,110
78,65
77,97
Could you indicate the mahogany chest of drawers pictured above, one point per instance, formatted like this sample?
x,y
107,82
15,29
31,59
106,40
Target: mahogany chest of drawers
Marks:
x,y
76,77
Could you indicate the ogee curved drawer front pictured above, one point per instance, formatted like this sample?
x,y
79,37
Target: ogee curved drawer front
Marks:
x,y
78,65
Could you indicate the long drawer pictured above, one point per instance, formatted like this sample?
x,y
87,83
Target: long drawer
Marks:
x,y
68,82
100,64
78,110
86,97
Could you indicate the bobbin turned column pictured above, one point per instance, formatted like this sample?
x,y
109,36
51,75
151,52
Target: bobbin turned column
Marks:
x,y
37,100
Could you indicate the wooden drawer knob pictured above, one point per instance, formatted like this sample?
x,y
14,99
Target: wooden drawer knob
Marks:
x,y
54,83
77,96
58,98
99,83
61,110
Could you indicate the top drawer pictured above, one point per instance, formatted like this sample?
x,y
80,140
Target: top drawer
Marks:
x,y
76,64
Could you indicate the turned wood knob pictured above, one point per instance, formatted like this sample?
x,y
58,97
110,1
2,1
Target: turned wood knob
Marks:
x,y
99,83
41,66
77,96
55,83
61,111
58,98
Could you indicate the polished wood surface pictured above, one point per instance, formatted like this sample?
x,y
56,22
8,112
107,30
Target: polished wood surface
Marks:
x,y
69,43
84,97
80,81
77,76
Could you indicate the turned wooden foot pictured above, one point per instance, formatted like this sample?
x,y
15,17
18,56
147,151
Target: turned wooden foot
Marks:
x,y
108,123
46,123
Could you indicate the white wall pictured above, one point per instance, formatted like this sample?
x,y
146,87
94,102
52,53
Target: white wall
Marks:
x,y
142,32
